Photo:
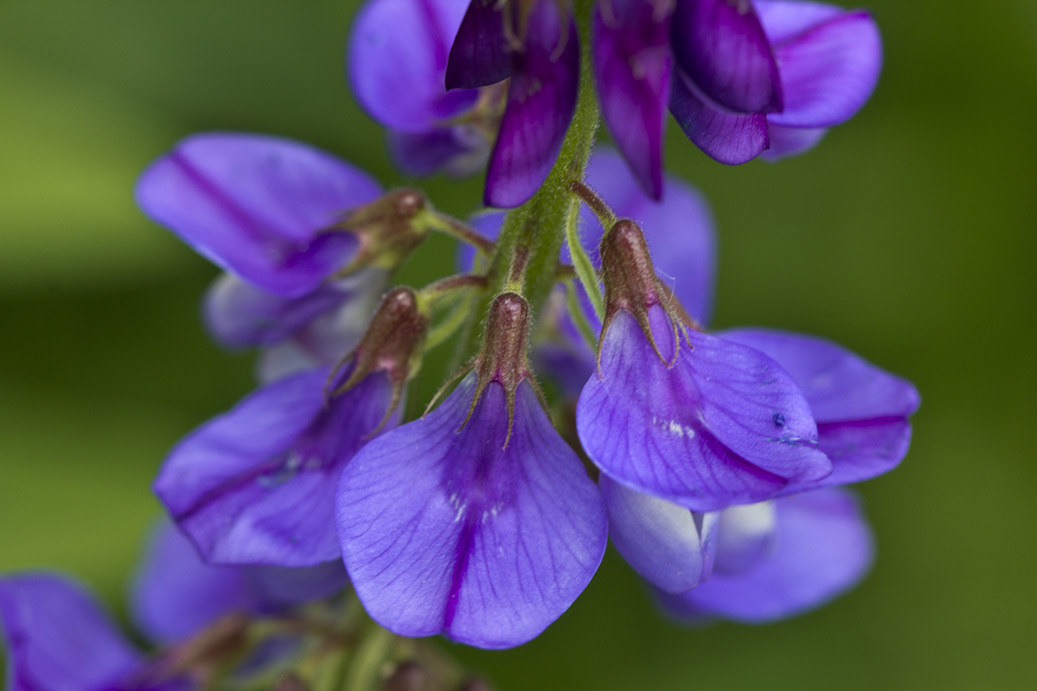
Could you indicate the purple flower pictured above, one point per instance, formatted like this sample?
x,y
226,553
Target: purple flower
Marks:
x,y
397,61
781,558
257,206
58,639
535,45
741,78
477,520
264,209
688,417
862,415
256,485
175,594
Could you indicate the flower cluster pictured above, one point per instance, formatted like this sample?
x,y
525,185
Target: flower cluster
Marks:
x,y
741,77
590,400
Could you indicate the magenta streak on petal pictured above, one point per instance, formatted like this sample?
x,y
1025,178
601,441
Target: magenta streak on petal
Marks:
x,y
204,500
249,223
464,553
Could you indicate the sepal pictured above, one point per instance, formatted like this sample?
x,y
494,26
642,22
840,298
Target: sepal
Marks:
x,y
632,286
392,344
387,230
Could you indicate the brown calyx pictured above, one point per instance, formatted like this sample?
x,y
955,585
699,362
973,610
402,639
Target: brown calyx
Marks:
x,y
632,286
391,344
385,229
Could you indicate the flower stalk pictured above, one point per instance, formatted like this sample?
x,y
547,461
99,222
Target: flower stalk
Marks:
x,y
535,231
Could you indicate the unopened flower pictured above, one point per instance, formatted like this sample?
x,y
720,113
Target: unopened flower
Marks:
x,y
535,45
741,78
477,520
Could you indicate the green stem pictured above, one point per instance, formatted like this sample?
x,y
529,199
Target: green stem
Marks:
x,y
582,264
536,230
579,318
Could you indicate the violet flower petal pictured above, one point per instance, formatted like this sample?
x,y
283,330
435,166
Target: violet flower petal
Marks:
x,y
479,56
823,548
745,535
724,425
726,137
791,141
456,150
722,47
58,639
541,101
175,593
861,411
255,205
329,337
632,70
829,70
239,315
784,20
446,530
282,587
398,59
668,545
256,485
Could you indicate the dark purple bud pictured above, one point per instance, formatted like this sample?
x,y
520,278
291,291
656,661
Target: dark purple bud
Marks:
x,y
545,75
730,138
479,56
722,46
632,67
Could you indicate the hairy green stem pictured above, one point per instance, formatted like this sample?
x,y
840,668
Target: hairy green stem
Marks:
x,y
535,231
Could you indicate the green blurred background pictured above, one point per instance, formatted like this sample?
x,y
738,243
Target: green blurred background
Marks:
x,y
908,235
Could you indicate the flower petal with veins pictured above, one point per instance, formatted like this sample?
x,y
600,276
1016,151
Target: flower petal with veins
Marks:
x,y
446,530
